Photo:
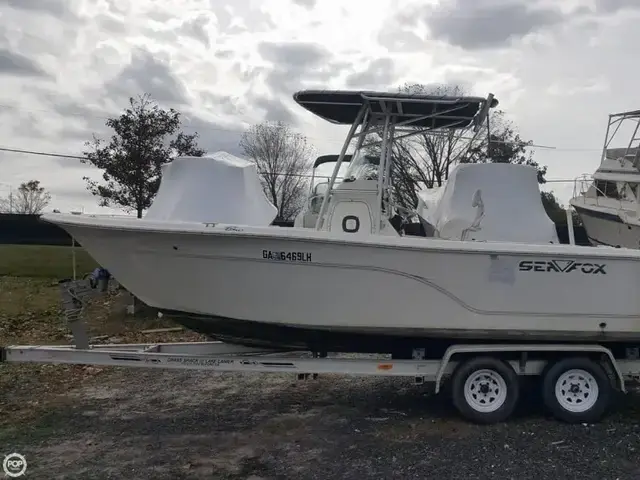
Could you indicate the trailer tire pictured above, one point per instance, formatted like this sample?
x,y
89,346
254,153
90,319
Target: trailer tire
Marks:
x,y
577,390
485,390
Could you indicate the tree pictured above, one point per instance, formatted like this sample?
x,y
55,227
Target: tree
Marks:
x,y
145,138
30,199
282,158
557,213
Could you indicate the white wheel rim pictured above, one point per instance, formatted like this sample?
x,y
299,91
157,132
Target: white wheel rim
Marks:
x,y
577,391
485,391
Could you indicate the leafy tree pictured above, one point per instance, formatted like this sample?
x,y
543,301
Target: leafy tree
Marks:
x,y
556,211
282,158
29,199
145,138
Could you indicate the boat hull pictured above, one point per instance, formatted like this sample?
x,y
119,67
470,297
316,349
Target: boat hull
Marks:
x,y
330,286
608,229
365,340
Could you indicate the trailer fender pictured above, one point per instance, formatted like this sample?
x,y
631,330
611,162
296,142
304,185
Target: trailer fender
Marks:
x,y
500,348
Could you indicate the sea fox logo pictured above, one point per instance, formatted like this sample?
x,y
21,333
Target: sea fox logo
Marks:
x,y
562,266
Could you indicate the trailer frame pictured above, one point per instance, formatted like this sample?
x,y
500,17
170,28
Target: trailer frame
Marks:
x,y
219,356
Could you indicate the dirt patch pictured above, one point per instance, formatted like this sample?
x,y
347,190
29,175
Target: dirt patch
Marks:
x,y
189,424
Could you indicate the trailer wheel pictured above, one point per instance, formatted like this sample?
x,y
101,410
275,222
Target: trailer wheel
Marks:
x,y
576,390
485,390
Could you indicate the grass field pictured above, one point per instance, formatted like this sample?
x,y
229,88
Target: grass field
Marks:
x,y
39,261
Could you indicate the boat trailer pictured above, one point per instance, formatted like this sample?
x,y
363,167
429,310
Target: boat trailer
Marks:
x,y
577,381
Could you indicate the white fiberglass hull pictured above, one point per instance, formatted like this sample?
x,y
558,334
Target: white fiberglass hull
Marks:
x,y
605,227
394,286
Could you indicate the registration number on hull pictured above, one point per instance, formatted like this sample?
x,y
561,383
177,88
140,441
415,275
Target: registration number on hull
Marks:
x,y
287,256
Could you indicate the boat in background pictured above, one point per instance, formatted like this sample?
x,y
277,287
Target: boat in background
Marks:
x,y
358,281
608,202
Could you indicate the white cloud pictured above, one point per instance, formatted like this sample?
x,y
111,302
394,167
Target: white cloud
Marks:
x,y
558,69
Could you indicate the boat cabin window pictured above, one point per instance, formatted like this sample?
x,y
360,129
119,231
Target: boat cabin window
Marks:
x,y
362,167
607,189
616,190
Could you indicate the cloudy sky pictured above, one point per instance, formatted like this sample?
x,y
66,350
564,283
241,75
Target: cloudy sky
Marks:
x,y
558,67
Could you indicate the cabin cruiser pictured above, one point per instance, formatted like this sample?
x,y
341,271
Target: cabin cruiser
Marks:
x,y
356,281
608,204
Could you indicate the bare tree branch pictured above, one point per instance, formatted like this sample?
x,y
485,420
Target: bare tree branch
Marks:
x,y
282,158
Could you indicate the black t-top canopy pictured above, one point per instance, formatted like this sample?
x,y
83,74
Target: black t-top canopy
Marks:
x,y
330,159
321,160
342,107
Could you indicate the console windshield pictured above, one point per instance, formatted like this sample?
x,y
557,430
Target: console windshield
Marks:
x,y
362,166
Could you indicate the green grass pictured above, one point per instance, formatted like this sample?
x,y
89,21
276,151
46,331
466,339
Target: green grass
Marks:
x,y
39,261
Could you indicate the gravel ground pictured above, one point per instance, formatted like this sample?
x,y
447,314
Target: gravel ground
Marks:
x,y
180,424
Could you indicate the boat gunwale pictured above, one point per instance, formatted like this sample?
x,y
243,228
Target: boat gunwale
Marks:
x,y
314,236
